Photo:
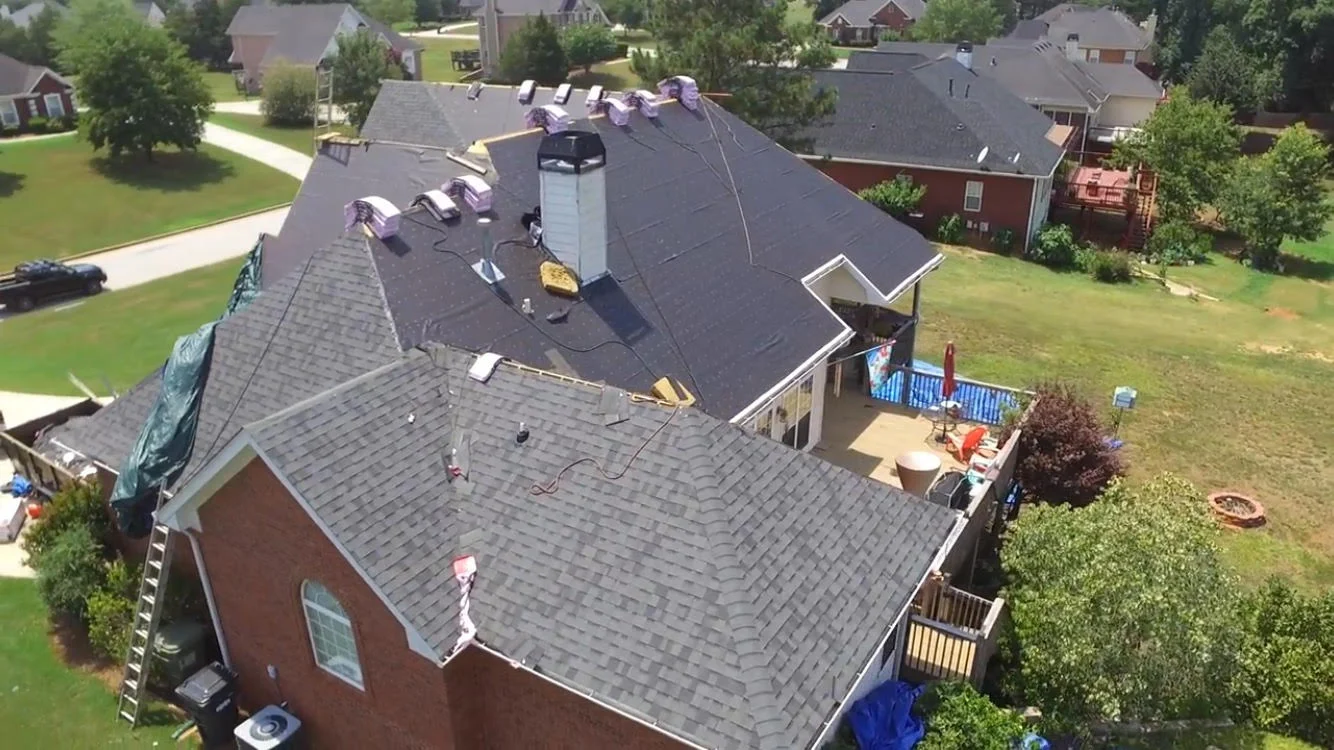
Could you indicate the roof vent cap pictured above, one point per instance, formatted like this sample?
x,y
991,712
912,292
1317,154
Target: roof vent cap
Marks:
x,y
562,94
595,93
526,90
439,205
475,90
681,88
642,100
549,117
381,216
574,151
474,190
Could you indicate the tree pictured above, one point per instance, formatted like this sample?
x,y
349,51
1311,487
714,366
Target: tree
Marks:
x,y
1291,38
202,28
427,12
1064,457
362,62
14,41
1279,194
588,43
1224,73
957,716
957,21
390,12
1191,144
1008,12
535,52
1122,610
1285,675
897,197
822,8
628,13
136,82
289,96
1182,28
746,49
41,43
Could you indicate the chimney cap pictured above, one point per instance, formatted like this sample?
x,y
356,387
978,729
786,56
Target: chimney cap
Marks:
x,y
964,47
1072,37
572,150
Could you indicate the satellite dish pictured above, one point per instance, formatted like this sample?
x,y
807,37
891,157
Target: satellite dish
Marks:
x,y
982,155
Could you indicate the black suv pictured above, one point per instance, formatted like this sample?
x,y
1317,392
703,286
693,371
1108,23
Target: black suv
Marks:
x,y
41,280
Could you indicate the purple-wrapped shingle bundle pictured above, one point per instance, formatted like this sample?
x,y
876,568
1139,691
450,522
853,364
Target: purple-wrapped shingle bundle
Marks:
x,y
375,212
642,100
681,88
440,205
549,117
617,111
473,189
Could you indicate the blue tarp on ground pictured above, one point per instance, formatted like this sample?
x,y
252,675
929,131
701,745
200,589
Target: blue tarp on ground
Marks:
x,y
168,437
883,720
980,403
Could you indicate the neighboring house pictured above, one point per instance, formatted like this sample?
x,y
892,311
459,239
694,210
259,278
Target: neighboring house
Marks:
x,y
979,150
499,19
862,20
25,15
150,12
305,35
1050,78
1103,35
654,571
28,91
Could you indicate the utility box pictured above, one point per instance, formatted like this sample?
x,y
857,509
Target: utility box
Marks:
x,y
179,650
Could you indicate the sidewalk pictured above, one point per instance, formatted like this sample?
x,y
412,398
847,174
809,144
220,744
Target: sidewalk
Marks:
x,y
277,156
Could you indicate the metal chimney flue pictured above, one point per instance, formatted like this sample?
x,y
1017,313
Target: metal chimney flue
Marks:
x,y
486,267
963,54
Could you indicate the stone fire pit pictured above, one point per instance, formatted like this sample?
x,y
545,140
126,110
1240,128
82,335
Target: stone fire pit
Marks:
x,y
1237,510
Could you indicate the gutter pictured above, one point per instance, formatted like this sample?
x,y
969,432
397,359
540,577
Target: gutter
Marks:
x,y
589,696
903,165
208,596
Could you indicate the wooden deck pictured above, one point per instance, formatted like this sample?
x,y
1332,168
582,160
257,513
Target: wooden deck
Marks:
x,y
934,654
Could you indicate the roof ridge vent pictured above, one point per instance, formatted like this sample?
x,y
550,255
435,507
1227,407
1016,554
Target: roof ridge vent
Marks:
x,y
562,94
682,88
617,111
526,91
549,117
439,205
643,100
596,92
474,190
374,212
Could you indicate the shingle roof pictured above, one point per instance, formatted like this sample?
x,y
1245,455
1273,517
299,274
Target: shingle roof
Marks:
x,y
859,12
311,330
1037,72
936,114
25,15
302,32
534,7
1102,28
1123,80
18,77
716,582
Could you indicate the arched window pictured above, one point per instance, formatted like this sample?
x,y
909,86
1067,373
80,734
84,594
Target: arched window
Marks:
x,y
330,633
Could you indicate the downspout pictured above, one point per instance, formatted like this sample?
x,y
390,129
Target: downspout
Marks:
x,y
208,596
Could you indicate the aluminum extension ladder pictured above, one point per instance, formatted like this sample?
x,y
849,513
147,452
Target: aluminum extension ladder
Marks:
x,y
147,614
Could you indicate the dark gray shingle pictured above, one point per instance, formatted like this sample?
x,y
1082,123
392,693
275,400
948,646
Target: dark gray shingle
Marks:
x,y
718,583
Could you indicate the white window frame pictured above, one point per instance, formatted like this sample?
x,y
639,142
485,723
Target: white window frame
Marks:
x,y
60,105
9,113
338,646
1129,59
1094,55
32,107
968,190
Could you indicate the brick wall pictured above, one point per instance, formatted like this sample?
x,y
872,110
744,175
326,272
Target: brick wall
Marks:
x,y
892,17
259,545
1006,201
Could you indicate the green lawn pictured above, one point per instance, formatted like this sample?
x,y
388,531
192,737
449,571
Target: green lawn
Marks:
x,y
298,139
44,703
57,197
223,86
1224,739
121,336
436,65
1231,395
615,76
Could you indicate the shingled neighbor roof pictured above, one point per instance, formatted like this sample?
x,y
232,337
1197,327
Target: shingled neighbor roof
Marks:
x,y
1124,80
17,78
1100,28
710,580
318,326
936,114
25,15
859,12
301,33
684,299
1037,72
534,7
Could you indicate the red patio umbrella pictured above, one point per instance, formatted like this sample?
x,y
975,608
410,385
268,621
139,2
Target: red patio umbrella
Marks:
x,y
947,388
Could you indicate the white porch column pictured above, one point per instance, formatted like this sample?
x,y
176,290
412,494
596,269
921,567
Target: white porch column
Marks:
x,y
817,404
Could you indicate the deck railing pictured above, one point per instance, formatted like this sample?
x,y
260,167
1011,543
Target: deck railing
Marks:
x,y
952,634
982,403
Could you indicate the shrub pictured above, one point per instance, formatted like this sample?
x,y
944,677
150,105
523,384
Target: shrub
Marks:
x,y
288,98
534,51
70,122
77,506
1176,243
958,717
1055,247
109,618
622,50
587,43
1111,266
950,230
1063,452
1086,257
37,124
1003,240
897,197
70,572
9,131
1285,675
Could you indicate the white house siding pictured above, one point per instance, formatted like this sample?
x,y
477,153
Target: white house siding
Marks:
x,y
1125,111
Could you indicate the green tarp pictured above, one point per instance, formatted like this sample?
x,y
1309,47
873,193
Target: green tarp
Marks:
x,y
168,437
